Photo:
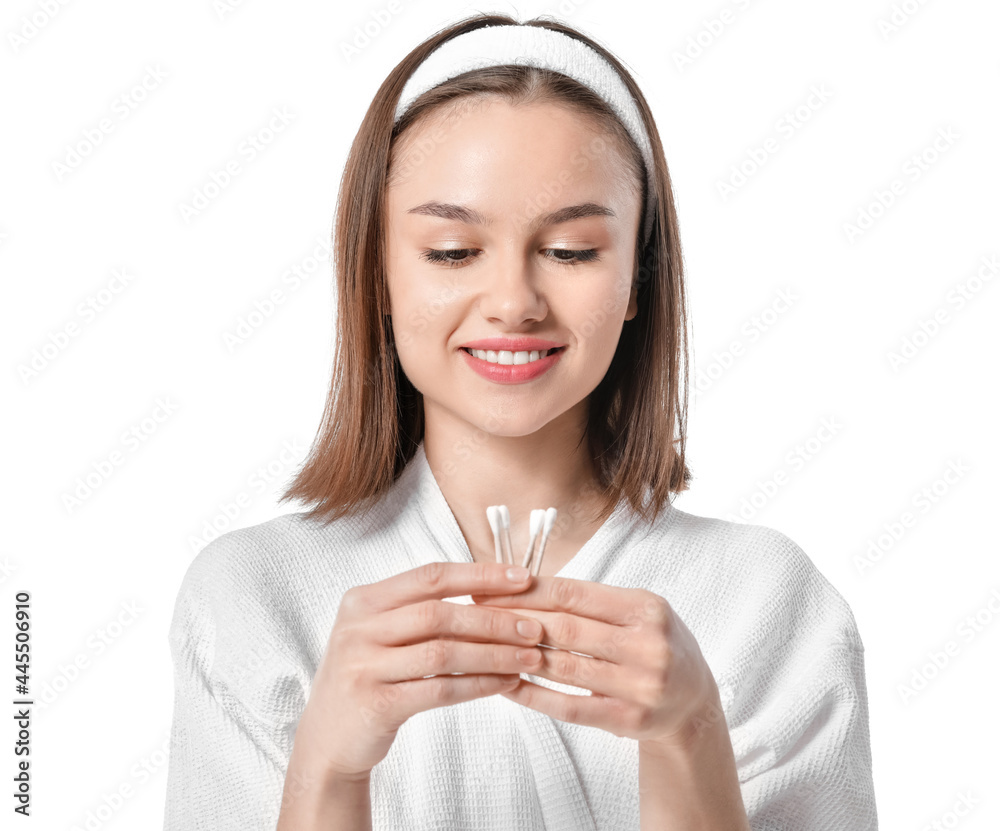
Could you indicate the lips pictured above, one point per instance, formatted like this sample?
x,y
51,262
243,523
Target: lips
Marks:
x,y
511,373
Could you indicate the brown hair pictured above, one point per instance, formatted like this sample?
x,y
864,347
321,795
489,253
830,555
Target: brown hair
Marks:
x,y
373,418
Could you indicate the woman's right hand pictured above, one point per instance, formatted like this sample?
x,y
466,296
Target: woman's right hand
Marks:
x,y
386,638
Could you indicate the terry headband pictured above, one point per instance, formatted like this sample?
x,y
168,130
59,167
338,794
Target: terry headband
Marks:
x,y
543,48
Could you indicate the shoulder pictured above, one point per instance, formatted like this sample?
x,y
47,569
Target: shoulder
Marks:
x,y
259,579
254,607
754,576
770,624
257,555
235,626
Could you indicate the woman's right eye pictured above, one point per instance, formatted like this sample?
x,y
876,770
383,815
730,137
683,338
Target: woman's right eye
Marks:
x,y
449,256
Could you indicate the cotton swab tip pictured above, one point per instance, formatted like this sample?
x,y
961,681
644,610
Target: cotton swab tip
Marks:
x,y
536,521
550,520
493,515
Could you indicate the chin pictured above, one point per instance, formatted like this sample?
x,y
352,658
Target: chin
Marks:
x,y
519,423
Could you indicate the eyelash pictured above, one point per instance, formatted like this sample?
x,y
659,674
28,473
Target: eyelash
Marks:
x,y
437,255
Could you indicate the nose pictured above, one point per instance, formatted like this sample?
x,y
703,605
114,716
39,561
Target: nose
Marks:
x,y
510,292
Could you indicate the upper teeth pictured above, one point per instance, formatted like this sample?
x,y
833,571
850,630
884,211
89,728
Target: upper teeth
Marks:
x,y
504,357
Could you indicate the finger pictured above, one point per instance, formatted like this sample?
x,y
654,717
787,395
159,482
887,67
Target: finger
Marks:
x,y
432,619
442,690
611,714
445,657
435,580
612,604
601,677
561,630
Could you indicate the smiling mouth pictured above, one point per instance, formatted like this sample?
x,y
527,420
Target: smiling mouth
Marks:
x,y
508,358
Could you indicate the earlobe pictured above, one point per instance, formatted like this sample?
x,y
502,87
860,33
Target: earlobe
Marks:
x,y
633,306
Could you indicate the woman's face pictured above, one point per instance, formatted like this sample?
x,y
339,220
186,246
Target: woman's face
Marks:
x,y
476,250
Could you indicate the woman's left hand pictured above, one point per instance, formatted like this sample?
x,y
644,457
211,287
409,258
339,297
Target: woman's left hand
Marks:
x,y
648,678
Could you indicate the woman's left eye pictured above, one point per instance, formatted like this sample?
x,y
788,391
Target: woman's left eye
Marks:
x,y
453,257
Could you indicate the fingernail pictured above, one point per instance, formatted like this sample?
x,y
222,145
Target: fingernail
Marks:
x,y
517,574
527,656
528,628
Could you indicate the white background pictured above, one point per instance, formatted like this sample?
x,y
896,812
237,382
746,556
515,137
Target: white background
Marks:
x,y
238,419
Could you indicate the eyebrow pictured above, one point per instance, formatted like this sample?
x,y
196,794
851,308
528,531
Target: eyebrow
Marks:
x,y
460,213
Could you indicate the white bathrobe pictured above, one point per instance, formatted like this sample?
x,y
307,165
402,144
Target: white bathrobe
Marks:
x,y
256,607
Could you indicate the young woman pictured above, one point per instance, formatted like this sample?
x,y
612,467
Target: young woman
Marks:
x,y
511,331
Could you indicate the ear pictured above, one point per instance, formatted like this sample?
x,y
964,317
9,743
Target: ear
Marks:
x,y
633,306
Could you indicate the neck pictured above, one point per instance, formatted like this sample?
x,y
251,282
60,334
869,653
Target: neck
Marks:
x,y
549,468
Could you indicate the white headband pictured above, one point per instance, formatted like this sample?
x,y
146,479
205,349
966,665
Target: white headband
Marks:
x,y
540,47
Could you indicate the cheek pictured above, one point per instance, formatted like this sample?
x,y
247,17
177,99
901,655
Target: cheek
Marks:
x,y
409,318
424,311
597,315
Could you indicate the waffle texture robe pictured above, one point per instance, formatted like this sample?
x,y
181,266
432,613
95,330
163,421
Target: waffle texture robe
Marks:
x,y
256,607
